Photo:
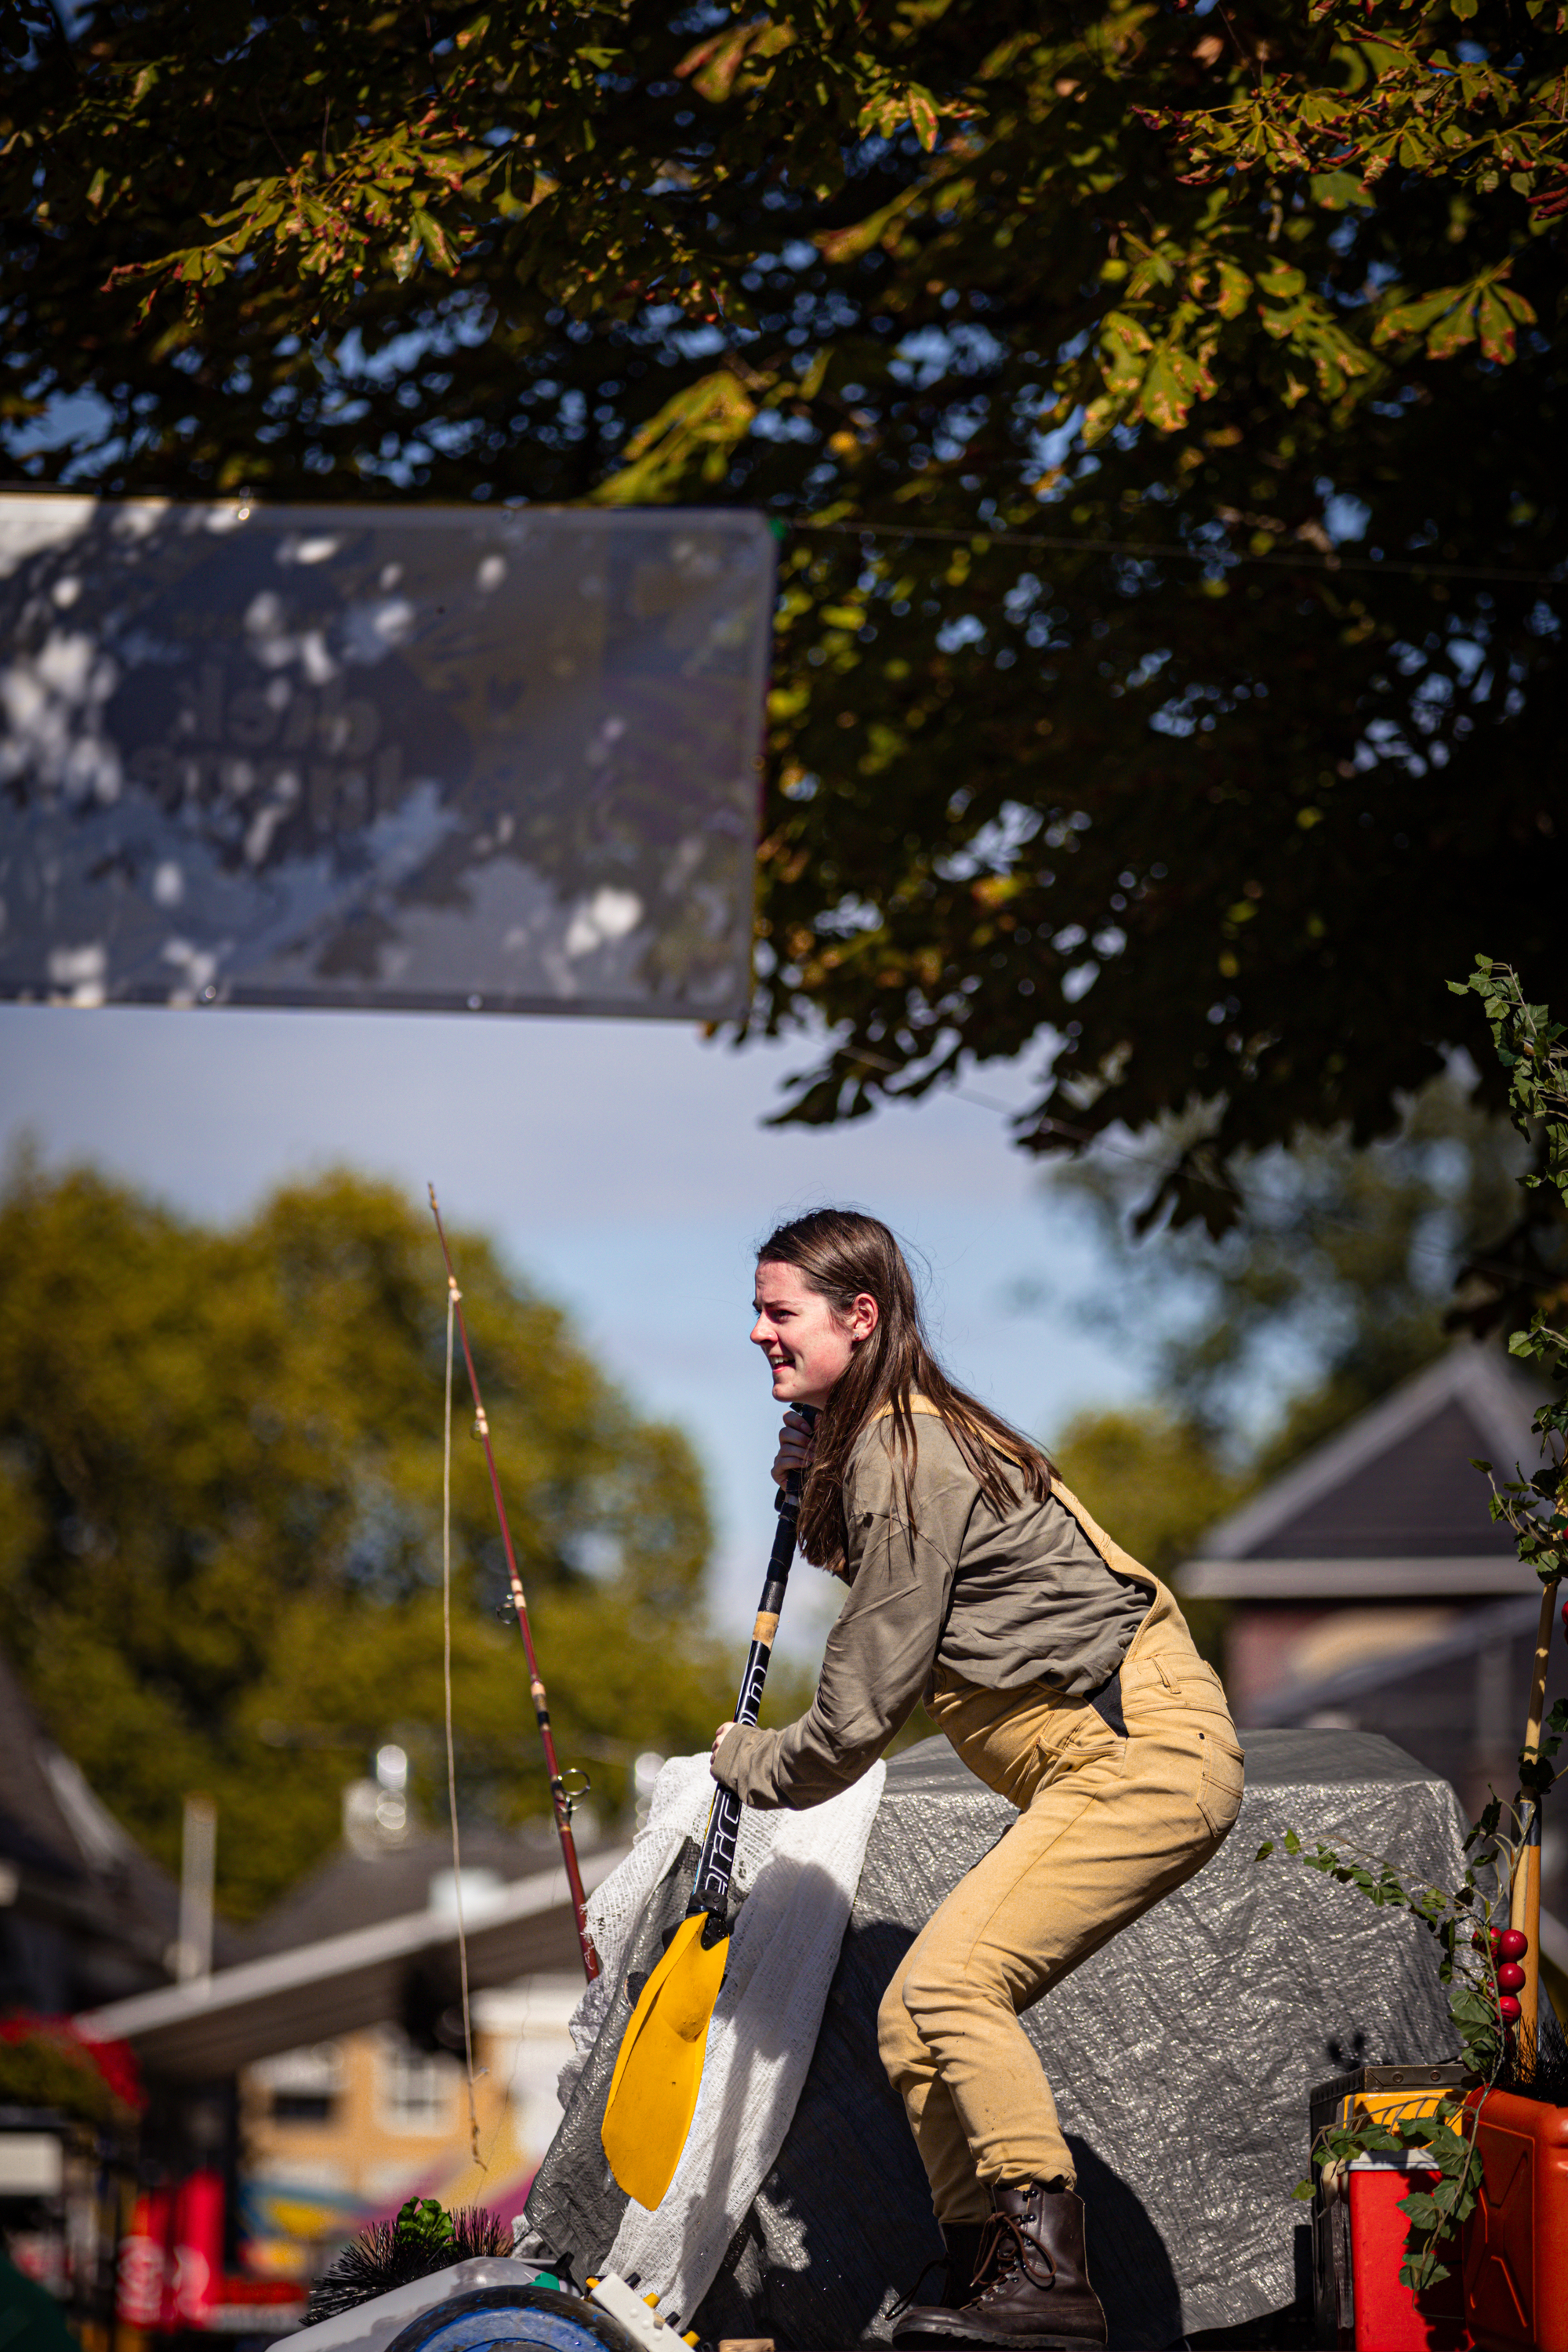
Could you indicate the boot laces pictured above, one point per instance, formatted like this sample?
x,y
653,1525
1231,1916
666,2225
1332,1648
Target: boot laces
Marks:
x,y
944,2262
1007,2247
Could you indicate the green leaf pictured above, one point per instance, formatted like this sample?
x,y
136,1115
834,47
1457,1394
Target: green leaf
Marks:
x,y
1335,191
1452,333
1162,398
924,117
434,239
844,245
703,421
422,2223
1414,317
1235,286
1496,325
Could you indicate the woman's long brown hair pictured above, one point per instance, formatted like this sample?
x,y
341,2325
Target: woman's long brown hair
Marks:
x,y
841,1254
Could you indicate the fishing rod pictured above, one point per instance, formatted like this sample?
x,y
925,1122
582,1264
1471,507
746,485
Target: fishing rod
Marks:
x,y
659,2069
716,1863
559,1796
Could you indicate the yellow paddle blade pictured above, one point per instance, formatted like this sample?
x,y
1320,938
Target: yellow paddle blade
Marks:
x,y
659,2070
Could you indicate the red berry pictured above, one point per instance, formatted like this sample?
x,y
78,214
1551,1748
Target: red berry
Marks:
x,y
1477,1941
1510,1977
1512,1944
1497,1935
1508,2009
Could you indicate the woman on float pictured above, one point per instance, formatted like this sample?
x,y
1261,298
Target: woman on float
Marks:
x,y
1065,1677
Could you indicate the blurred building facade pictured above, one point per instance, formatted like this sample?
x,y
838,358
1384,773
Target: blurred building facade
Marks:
x,y
1369,1589
338,2133
334,2035
85,1915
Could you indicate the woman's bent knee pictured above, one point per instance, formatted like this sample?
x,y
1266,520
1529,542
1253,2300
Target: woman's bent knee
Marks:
x,y
898,2042
926,1993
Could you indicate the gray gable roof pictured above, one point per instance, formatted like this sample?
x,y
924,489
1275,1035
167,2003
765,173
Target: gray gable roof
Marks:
x,y
1390,1504
33,1825
86,1907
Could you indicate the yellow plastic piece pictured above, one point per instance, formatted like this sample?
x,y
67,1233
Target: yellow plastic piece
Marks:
x,y
651,2301
1394,2107
659,2069
692,2338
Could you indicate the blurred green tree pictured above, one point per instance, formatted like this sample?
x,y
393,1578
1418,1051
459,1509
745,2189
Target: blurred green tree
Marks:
x,y
1336,1281
220,1495
1155,1483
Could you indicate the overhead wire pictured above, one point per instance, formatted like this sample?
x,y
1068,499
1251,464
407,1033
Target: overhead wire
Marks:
x,y
979,538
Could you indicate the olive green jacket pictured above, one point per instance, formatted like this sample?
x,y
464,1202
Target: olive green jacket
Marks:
x,y
1034,1594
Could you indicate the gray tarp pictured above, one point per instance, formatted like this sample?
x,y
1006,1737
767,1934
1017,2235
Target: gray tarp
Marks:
x,y
1181,2055
380,755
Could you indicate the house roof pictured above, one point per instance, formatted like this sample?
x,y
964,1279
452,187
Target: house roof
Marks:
x,y
1390,1505
33,1825
201,2031
1458,1702
77,1871
348,1890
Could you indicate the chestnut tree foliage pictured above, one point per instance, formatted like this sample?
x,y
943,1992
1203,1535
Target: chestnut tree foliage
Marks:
x,y
1160,407
220,1520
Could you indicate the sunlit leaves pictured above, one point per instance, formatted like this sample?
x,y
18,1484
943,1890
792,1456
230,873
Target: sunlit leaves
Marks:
x,y
1532,1050
705,421
1156,290
1487,310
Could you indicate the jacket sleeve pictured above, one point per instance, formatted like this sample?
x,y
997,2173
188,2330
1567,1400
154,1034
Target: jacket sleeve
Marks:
x,y
879,1653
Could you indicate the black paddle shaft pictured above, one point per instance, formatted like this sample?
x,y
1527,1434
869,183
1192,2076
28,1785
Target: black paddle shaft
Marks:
x,y
710,1887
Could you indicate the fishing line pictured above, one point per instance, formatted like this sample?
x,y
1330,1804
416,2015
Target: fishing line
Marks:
x,y
562,1798
452,1753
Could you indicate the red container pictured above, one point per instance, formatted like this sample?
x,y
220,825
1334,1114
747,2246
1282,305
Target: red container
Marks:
x,y
198,2247
1389,2317
144,2294
1516,2257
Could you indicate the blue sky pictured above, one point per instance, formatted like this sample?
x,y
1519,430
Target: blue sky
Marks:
x,y
623,1165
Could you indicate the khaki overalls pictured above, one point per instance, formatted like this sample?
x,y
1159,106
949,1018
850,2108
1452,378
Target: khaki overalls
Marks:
x,y
1105,1825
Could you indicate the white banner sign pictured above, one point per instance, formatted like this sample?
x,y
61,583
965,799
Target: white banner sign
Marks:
x,y
380,756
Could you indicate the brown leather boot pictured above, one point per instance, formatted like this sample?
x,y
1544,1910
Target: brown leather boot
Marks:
x,y
1032,2286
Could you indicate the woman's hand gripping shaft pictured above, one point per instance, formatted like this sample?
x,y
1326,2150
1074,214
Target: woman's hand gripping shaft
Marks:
x,y
710,1887
797,1437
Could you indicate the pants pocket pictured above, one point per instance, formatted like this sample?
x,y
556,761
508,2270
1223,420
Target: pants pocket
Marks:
x,y
1082,1740
1221,1783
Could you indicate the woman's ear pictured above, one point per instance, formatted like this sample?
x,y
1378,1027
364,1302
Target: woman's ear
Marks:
x,y
864,1317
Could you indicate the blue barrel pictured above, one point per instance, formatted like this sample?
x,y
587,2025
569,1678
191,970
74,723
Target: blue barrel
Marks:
x,y
513,2315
